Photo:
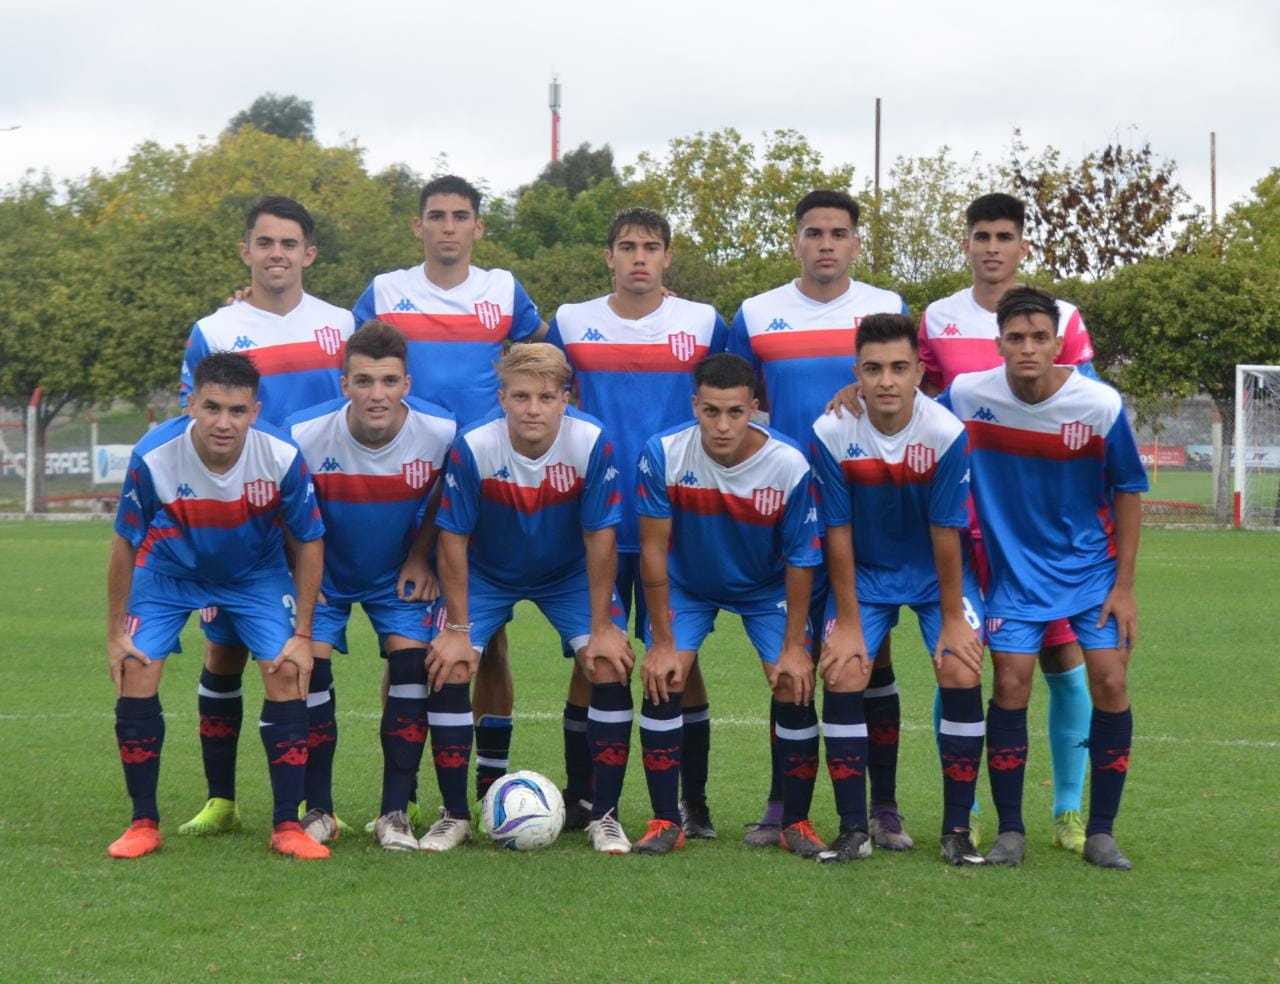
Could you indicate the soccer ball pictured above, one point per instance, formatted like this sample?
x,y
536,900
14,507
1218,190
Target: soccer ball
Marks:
x,y
523,811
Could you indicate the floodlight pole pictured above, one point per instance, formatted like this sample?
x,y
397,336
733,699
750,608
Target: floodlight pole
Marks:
x,y
875,230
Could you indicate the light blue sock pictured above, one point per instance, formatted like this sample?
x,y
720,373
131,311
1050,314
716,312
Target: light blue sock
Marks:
x,y
1069,712
937,726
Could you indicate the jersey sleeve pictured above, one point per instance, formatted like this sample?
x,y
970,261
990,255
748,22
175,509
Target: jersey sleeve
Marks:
x,y
298,505
740,340
138,502
944,399
601,499
949,493
553,333
1077,346
1124,469
928,358
830,488
651,482
366,307
801,544
197,348
525,319
719,336
460,502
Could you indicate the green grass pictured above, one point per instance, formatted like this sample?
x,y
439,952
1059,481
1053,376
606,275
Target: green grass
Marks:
x,y
1199,821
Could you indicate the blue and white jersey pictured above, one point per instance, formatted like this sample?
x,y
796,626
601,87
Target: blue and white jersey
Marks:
x,y
371,498
188,522
891,489
455,336
734,530
526,516
805,348
298,355
1044,478
636,376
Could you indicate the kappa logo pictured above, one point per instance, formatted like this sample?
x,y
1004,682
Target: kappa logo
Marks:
x,y
812,515
593,335
260,493
951,330
767,501
982,413
688,478
610,473
918,458
561,477
404,304
644,465
489,314
1076,435
854,451
450,481
329,340
185,491
504,473
417,473
243,342
778,324
330,465
683,345
132,495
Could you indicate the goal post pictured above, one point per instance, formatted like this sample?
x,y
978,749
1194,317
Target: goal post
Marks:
x,y
1256,447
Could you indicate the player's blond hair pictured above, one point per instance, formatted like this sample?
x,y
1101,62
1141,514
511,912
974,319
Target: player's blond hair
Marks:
x,y
535,359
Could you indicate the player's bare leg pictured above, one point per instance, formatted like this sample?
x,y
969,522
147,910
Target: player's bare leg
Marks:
x,y
221,710
1062,664
695,815
493,701
1110,737
1007,752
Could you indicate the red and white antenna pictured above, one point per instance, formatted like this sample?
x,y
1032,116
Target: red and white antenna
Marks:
x,y
554,101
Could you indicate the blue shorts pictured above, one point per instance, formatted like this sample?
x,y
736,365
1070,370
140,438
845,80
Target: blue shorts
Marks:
x,y
631,592
818,600
1007,635
257,612
565,603
693,617
879,619
388,613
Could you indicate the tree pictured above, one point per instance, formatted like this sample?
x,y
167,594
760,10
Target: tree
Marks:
x,y
578,170
1115,206
287,117
1253,226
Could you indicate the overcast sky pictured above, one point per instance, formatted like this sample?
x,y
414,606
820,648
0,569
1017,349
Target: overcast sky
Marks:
x,y
85,82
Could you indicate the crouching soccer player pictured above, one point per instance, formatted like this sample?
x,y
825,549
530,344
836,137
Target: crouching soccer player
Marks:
x,y
528,512
1057,483
378,456
200,529
893,491
727,521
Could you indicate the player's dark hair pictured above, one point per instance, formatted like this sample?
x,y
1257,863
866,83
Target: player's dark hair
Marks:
x,y
887,328
376,340
640,218
1026,301
449,184
826,198
281,208
234,370
993,208
725,371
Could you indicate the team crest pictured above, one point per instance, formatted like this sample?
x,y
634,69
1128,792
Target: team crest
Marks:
x,y
208,613
767,501
561,477
683,345
329,339
827,628
260,493
489,314
1076,435
441,616
993,625
918,458
417,473
131,623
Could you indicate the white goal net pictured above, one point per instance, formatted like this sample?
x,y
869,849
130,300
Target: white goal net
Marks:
x,y
1256,450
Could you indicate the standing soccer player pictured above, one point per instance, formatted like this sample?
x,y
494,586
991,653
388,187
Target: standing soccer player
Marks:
x,y
799,337
529,512
378,456
457,319
295,341
1057,482
204,514
633,352
894,491
727,522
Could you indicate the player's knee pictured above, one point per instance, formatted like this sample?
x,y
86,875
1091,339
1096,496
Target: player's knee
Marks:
x,y
852,679
783,689
695,688
1013,684
224,659
1109,686
1059,659
953,674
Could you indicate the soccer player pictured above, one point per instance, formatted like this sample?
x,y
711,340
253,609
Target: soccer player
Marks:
x,y
378,456
633,352
799,337
1057,482
295,341
529,512
727,522
894,490
457,318
206,509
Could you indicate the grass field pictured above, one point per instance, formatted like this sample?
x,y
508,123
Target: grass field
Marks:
x,y
1200,821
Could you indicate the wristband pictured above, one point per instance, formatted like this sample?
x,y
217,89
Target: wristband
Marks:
x,y
457,627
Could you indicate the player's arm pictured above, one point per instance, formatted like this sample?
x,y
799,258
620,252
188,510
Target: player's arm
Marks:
x,y
607,641
1127,507
120,647
956,637
452,647
845,644
416,581
660,672
308,572
794,660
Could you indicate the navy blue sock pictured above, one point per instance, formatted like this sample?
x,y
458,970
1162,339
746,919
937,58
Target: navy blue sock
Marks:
x,y
884,721
960,732
662,745
844,731
797,744
775,766
609,738
449,716
404,727
322,737
1007,763
697,753
493,750
283,728
577,755
140,736
220,702
1110,735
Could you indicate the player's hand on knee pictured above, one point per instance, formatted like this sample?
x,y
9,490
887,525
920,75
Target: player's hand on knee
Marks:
x,y
957,639
794,675
842,651
1122,606
660,673
120,647
449,651
611,645
296,653
846,399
